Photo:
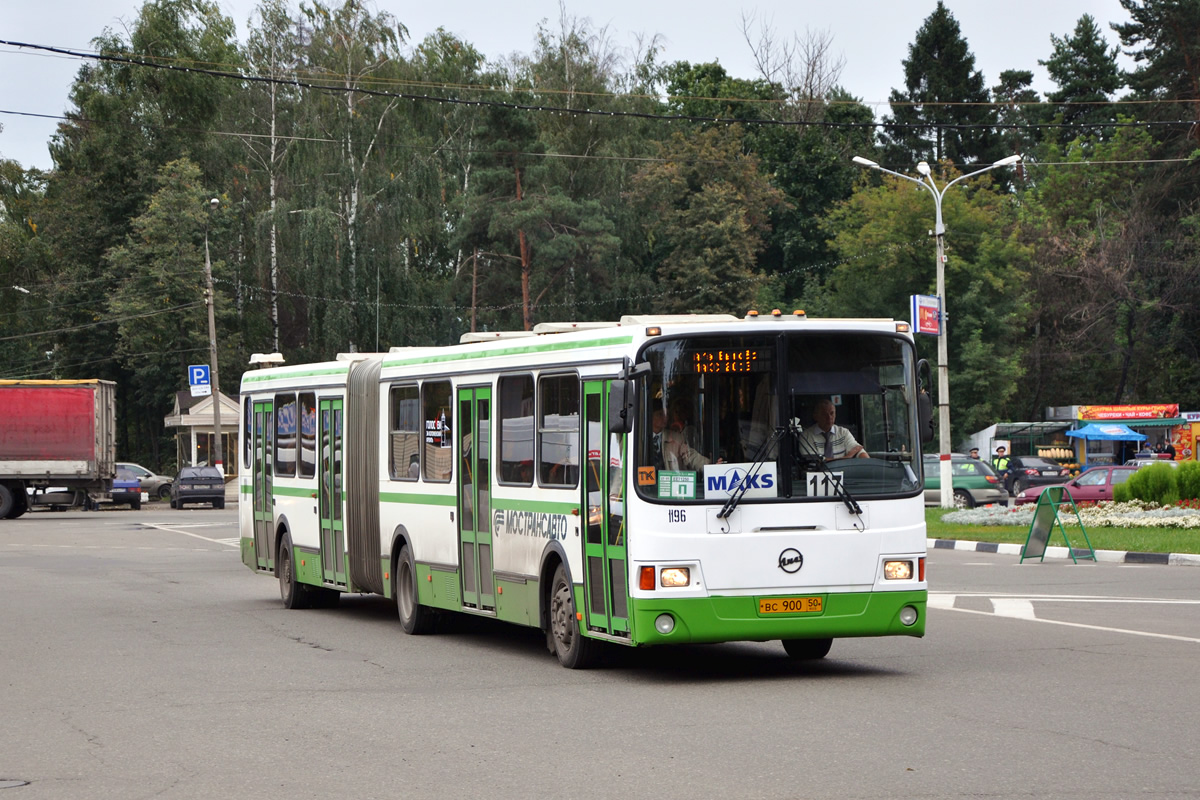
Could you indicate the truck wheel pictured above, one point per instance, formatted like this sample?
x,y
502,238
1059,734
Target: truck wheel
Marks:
x,y
8,502
20,506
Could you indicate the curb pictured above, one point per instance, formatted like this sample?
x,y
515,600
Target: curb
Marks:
x,y
1114,556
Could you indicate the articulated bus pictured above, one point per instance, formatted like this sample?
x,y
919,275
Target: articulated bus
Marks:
x,y
520,476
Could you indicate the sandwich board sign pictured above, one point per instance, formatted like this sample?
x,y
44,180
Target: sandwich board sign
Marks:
x,y
199,381
1045,517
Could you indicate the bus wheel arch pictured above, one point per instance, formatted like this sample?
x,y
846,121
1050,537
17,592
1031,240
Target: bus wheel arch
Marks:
x,y
552,556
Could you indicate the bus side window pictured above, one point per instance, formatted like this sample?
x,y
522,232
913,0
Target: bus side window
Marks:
x,y
404,460
438,456
515,429
558,431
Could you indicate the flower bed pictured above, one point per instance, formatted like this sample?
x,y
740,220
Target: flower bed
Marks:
x,y
1131,514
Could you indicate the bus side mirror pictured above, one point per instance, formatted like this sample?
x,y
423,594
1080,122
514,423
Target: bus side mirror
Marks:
x,y
620,406
924,401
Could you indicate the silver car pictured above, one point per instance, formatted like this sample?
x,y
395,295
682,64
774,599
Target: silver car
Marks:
x,y
153,485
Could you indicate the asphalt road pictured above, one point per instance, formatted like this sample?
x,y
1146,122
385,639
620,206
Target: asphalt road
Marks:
x,y
140,659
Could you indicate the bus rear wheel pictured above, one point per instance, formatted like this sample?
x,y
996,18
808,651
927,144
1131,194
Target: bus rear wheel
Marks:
x,y
293,593
574,651
807,649
415,618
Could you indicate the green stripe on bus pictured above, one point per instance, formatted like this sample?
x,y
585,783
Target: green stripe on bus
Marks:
x,y
418,499
257,377
293,491
736,619
510,351
541,506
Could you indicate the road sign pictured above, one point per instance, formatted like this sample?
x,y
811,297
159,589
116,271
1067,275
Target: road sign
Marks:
x,y
199,380
927,314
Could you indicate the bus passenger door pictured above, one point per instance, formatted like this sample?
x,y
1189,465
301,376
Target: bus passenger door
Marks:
x,y
264,502
474,496
604,499
329,503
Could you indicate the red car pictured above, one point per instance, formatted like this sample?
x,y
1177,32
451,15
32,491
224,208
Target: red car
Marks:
x,y
1092,485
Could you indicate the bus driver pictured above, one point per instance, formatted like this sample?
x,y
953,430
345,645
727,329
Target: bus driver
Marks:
x,y
828,440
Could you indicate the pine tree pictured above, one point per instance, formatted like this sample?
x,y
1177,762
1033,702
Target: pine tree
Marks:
x,y
1087,75
937,116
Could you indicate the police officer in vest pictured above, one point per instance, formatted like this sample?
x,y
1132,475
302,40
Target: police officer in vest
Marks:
x,y
1000,464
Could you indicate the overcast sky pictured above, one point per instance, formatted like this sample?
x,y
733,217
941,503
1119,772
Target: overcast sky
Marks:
x,y
872,36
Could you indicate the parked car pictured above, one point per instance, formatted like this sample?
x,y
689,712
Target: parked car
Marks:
x,y
1027,471
1145,462
198,485
1092,485
975,482
153,485
126,489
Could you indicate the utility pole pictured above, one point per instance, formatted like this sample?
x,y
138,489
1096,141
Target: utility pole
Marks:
x,y
926,182
218,453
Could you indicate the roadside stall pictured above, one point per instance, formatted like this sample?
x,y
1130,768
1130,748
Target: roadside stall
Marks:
x,y
1158,423
1095,434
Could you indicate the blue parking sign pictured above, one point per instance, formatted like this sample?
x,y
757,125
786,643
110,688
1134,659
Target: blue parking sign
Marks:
x,y
199,381
198,375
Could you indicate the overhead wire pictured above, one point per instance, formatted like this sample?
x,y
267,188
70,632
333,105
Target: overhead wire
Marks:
x,y
486,103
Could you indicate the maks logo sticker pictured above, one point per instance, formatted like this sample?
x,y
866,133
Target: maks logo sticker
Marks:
x,y
721,480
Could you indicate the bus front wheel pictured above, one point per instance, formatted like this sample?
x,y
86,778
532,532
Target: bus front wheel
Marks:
x,y
574,651
807,649
415,618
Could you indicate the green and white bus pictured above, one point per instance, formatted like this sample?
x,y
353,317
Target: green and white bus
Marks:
x,y
519,476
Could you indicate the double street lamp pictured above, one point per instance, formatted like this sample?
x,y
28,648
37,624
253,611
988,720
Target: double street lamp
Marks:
x,y
926,183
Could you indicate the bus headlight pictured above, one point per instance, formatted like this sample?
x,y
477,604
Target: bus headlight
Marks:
x,y
908,615
897,570
664,624
674,577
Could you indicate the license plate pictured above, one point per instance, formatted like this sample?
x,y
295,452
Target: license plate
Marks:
x,y
790,605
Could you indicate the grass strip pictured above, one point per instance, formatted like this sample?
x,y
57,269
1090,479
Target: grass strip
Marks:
x,y
1137,540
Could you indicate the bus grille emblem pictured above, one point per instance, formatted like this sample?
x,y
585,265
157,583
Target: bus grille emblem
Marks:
x,y
790,560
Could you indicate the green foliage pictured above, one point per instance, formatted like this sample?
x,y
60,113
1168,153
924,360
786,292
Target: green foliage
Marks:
x,y
1187,480
706,207
356,219
1155,483
1122,493
880,234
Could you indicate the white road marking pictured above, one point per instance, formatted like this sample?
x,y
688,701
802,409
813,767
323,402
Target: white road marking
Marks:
x,y
176,529
1021,607
1013,607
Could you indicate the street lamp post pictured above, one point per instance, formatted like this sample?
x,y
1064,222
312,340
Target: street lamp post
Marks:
x,y
218,453
926,183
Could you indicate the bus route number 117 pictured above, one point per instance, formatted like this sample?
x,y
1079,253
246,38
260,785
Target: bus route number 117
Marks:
x,y
825,484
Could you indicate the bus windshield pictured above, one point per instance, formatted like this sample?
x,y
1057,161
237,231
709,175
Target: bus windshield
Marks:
x,y
822,411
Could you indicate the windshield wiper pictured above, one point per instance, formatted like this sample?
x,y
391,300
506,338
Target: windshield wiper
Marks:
x,y
736,495
839,489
